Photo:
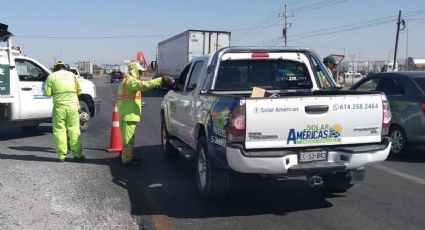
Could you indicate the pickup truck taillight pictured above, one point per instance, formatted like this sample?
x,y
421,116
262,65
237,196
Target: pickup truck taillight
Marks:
x,y
386,116
236,125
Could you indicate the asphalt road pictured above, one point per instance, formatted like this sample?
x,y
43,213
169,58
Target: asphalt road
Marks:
x,y
36,192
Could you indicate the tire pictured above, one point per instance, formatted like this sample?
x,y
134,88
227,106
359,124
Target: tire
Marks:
x,y
337,183
399,141
84,116
212,181
169,150
30,128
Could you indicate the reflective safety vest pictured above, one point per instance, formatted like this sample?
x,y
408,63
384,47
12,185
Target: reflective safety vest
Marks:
x,y
63,86
125,94
129,102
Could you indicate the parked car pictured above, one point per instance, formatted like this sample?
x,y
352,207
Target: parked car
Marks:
x,y
116,75
352,74
406,93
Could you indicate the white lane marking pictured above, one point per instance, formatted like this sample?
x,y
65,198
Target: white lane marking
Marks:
x,y
401,174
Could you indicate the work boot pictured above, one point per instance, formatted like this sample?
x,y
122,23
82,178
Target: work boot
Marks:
x,y
80,159
61,160
132,162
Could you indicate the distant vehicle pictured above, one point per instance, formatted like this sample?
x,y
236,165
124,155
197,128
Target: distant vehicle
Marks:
x,y
85,66
86,75
389,67
415,64
175,52
116,75
406,93
352,74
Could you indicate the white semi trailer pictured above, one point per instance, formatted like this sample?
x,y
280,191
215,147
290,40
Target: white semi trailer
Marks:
x,y
175,52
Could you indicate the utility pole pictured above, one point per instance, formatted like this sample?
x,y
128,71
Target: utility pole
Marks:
x,y
285,26
399,21
407,46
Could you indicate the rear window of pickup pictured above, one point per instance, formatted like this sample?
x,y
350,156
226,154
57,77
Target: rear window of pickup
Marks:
x,y
268,74
421,83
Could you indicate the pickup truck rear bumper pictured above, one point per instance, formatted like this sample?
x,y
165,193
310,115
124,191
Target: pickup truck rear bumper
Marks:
x,y
339,159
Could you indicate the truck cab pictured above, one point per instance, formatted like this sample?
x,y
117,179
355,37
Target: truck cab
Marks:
x,y
22,101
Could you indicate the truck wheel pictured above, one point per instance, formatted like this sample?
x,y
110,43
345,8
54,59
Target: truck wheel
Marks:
x,y
84,116
337,183
399,141
30,128
169,149
212,181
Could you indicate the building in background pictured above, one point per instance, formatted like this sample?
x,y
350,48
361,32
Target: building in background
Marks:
x,y
85,67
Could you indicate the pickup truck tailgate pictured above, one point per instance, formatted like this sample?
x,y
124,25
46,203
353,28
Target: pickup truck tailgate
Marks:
x,y
304,121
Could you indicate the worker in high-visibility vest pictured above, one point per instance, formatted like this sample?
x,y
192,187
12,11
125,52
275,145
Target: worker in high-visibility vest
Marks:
x,y
330,63
64,88
129,106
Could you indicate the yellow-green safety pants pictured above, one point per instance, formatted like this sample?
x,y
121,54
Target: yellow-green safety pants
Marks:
x,y
128,129
66,126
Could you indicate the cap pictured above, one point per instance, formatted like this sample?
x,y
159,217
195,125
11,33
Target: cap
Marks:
x,y
137,66
330,59
59,63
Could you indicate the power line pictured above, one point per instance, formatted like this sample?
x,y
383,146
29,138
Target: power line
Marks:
x,y
353,26
94,37
414,19
296,2
262,23
267,23
258,27
317,5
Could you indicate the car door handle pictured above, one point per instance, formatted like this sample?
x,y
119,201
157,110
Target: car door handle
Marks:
x,y
316,109
26,89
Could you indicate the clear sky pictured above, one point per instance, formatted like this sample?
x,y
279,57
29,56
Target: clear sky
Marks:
x,y
110,31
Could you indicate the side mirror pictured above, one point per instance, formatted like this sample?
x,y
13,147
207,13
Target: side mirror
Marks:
x,y
153,65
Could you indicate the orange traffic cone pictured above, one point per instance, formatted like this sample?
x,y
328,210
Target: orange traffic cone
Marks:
x,y
115,140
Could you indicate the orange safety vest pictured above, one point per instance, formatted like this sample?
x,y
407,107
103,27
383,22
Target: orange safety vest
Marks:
x,y
123,95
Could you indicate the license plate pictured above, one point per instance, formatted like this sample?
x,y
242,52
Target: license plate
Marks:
x,y
312,155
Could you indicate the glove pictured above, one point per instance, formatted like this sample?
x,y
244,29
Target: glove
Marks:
x,y
168,81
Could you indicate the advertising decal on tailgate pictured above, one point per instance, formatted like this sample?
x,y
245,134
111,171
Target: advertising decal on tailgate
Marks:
x,y
315,134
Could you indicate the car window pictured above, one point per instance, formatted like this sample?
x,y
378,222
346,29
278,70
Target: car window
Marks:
x,y
391,86
268,74
74,71
320,75
194,76
29,71
369,85
421,83
182,77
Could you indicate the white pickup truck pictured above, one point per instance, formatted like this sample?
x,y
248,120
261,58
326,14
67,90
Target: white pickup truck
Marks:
x,y
22,102
294,128
352,74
